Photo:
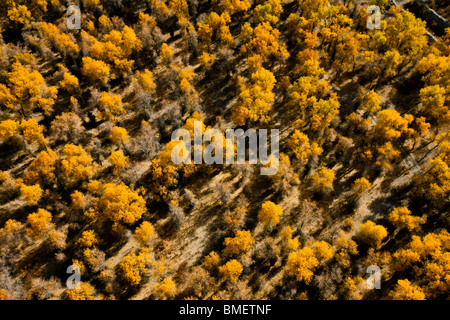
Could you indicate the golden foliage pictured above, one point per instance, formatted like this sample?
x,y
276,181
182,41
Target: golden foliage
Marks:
x,y
145,233
270,213
39,224
231,270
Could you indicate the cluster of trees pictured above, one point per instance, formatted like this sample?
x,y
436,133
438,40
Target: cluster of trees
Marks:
x,y
85,123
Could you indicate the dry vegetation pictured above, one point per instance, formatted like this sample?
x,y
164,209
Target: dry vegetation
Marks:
x,y
86,176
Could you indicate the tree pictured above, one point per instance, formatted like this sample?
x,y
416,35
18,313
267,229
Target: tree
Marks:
x,y
231,270
255,99
206,59
33,131
145,81
135,267
212,261
67,126
8,130
433,101
401,217
241,243
88,239
86,292
119,204
371,233
62,41
269,11
78,200
39,223
27,90
299,143
406,33
95,70
111,106
360,186
31,193
94,258
42,169
69,82
391,125
434,185
371,102
270,213
345,247
165,288
301,264
145,233
404,290
323,250
323,179
235,6
77,165
166,53
119,136
264,42
19,14
235,218
57,239
118,160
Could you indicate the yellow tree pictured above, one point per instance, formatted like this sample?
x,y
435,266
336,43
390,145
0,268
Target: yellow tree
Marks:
x,y
235,218
301,264
391,125
62,41
42,169
77,165
360,186
31,193
111,106
8,130
39,223
145,80
33,131
119,136
118,160
241,243
211,261
371,233
433,100
270,213
371,102
231,270
234,6
165,288
166,53
269,11
27,90
88,239
401,217
69,82
135,267
323,179
85,292
145,233
404,290
119,204
299,143
256,98
95,70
